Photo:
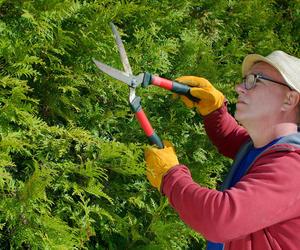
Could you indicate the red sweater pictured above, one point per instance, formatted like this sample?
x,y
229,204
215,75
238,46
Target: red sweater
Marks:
x,y
261,212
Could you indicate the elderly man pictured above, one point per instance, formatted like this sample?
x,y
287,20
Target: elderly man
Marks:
x,y
258,207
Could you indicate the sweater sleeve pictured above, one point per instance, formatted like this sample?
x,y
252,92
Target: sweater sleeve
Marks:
x,y
267,195
224,132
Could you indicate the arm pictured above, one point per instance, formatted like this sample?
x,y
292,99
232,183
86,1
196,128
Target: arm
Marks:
x,y
241,210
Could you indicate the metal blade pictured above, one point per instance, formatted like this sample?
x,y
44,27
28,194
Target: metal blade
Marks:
x,y
123,55
117,74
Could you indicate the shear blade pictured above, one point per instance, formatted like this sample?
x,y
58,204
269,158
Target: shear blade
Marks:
x,y
121,48
130,80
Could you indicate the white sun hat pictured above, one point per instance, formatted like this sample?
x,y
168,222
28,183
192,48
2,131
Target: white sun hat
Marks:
x,y
287,65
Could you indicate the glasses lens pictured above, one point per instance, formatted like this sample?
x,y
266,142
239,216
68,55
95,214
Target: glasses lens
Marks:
x,y
249,81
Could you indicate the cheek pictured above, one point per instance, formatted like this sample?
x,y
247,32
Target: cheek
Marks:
x,y
259,105
268,102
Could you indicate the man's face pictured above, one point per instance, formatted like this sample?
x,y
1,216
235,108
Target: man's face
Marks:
x,y
263,102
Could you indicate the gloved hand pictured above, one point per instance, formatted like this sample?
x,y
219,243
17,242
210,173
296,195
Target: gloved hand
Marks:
x,y
211,99
158,162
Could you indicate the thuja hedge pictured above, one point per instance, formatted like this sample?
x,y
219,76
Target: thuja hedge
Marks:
x,y
72,174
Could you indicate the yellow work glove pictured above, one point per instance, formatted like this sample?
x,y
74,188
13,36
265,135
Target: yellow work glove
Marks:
x,y
211,99
158,162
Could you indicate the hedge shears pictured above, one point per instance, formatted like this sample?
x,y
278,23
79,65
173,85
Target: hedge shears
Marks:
x,y
144,80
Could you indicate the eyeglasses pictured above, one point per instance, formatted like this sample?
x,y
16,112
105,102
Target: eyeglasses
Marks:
x,y
250,80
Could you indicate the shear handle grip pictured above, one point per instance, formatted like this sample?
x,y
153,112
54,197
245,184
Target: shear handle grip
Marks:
x,y
173,86
144,123
149,131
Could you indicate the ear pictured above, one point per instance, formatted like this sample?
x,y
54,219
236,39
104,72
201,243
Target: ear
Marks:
x,y
291,100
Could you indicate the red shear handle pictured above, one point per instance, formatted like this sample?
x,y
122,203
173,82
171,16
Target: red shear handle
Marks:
x,y
136,107
162,82
175,87
144,122
149,131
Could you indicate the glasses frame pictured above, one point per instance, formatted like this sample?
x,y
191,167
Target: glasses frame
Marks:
x,y
257,77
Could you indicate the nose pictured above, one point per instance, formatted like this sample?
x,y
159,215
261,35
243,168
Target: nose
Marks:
x,y
240,88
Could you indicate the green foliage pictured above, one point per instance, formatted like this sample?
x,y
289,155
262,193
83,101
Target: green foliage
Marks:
x,y
71,151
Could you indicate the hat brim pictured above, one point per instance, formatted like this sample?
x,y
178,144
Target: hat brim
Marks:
x,y
252,59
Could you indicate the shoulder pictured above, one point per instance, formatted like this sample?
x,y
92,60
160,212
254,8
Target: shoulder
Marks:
x,y
290,143
279,162
281,158
287,147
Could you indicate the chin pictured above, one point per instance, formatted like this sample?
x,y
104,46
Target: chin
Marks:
x,y
238,117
